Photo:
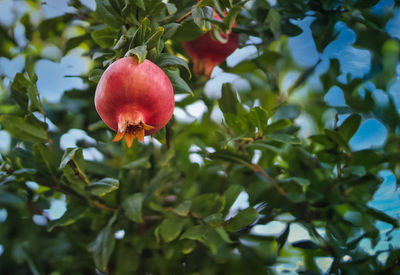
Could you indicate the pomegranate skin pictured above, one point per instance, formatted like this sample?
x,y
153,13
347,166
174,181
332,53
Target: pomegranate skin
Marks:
x,y
207,52
131,97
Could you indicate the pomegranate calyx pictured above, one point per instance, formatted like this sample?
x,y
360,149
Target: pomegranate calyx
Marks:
x,y
131,130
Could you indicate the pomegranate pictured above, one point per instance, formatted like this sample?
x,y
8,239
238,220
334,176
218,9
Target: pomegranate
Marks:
x,y
207,52
134,99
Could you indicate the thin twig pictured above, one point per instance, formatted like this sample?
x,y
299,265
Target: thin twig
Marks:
x,y
275,184
186,15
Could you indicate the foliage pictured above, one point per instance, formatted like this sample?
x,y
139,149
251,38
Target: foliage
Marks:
x,y
175,213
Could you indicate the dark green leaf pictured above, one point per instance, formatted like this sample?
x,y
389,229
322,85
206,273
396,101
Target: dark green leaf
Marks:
x,y
277,125
259,118
170,30
349,127
284,138
142,163
199,16
105,36
10,199
179,85
108,14
154,40
242,219
228,101
74,212
166,60
72,168
232,157
283,237
230,18
305,245
183,208
140,52
21,129
44,159
95,75
132,206
171,227
195,233
231,195
207,204
103,186
103,246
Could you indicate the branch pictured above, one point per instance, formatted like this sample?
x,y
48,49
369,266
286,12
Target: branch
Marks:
x,y
186,15
275,184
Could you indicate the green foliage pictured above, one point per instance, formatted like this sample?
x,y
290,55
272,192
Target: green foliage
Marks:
x,y
176,214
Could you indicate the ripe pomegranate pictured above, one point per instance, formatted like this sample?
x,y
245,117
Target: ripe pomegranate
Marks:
x,y
207,52
134,99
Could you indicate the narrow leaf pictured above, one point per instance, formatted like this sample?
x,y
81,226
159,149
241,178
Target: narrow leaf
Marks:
x,y
103,246
103,186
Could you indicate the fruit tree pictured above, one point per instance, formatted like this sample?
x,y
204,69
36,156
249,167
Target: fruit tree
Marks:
x,y
199,137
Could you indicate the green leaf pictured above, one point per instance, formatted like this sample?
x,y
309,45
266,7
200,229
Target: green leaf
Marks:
x,y
183,208
140,52
242,219
237,123
231,195
232,157
380,215
10,199
74,212
223,234
139,3
171,8
337,138
170,30
103,186
283,237
24,89
199,16
142,32
284,138
259,118
142,163
274,21
349,127
166,60
207,204
72,168
179,85
22,129
195,233
107,14
290,29
228,101
44,159
103,246
230,18
154,40
105,36
132,206
75,42
95,75
171,227
277,125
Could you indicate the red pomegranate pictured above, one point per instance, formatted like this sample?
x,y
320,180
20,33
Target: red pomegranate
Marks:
x,y
207,52
134,99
